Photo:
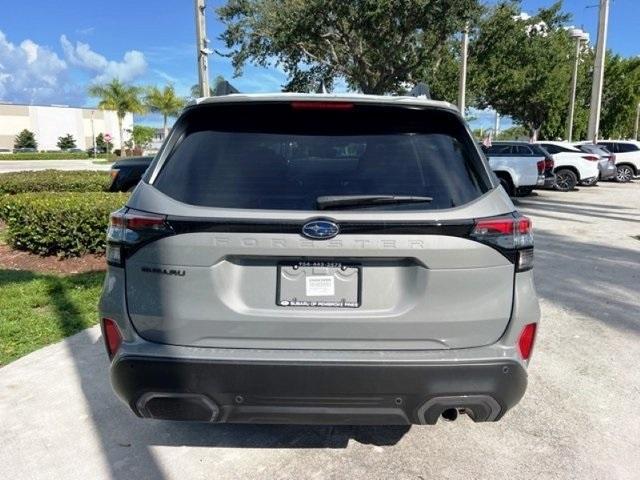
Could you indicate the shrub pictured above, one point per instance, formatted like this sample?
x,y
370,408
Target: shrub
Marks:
x,y
54,181
63,224
51,156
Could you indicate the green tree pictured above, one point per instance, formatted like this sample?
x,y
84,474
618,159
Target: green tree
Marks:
x,y
376,46
66,142
523,66
165,102
25,139
515,132
120,97
620,96
142,135
101,143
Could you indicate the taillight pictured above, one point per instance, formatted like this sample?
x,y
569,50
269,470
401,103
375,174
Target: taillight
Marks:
x,y
591,158
526,340
511,234
315,105
112,336
548,164
540,167
129,228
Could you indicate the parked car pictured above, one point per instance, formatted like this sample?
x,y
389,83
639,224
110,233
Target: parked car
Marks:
x,y
572,166
25,150
125,174
607,162
519,166
97,150
300,258
627,154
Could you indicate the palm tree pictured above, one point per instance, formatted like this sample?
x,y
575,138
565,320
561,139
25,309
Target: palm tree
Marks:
x,y
120,97
165,102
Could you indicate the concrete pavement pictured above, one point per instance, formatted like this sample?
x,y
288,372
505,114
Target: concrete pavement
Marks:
x,y
580,418
20,165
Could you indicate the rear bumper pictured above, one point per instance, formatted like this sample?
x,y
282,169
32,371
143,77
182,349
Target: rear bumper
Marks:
x,y
316,392
608,172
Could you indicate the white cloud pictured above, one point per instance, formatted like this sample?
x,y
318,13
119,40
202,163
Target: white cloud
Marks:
x,y
132,65
32,73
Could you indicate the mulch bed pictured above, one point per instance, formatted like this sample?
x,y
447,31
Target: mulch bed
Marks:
x,y
11,259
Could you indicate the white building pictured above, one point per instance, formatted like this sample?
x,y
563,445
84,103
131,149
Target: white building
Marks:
x,y
50,122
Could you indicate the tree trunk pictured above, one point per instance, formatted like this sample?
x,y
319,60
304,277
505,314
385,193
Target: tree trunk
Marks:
x,y
122,147
166,130
533,133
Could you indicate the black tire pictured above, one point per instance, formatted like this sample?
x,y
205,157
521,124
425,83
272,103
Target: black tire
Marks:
x,y
566,180
624,173
524,191
507,185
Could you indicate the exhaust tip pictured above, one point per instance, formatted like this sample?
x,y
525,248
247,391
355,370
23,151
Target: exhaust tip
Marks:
x,y
450,414
176,406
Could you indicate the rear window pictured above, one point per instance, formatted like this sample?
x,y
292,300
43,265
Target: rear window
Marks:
x,y
272,156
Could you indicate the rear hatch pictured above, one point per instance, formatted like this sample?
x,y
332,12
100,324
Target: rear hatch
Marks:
x,y
318,225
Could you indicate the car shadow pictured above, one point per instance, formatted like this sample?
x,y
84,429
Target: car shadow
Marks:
x,y
126,441
580,275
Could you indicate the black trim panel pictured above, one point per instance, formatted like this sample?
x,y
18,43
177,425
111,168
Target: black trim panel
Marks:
x,y
457,228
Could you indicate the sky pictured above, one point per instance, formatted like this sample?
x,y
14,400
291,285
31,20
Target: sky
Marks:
x,y
51,51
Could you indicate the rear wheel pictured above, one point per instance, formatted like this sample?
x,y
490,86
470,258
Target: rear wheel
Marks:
x,y
507,185
566,180
524,191
624,174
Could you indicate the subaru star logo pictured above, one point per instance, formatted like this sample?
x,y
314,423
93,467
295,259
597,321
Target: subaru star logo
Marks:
x,y
320,229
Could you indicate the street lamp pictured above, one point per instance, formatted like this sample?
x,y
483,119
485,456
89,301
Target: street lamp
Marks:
x,y
579,36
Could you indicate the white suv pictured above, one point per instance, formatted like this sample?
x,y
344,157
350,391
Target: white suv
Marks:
x,y
572,166
627,158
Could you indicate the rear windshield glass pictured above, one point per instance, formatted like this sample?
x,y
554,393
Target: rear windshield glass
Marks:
x,y
276,157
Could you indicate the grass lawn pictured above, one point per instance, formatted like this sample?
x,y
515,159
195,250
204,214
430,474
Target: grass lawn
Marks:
x,y
39,309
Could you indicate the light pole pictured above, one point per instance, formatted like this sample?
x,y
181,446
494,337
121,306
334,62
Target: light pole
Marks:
x,y
598,72
462,83
579,36
203,50
635,132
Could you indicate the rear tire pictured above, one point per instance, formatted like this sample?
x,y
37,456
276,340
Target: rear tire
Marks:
x,y
624,174
566,180
507,185
524,191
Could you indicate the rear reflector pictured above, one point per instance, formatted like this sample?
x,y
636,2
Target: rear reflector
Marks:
x,y
112,336
526,340
311,105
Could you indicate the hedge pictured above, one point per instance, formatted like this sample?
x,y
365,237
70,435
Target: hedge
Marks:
x,y
54,181
52,156
63,224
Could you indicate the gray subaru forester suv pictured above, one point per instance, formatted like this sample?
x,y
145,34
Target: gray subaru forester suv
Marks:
x,y
322,259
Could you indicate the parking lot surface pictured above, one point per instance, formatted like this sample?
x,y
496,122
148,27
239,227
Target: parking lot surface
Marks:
x,y
580,417
22,165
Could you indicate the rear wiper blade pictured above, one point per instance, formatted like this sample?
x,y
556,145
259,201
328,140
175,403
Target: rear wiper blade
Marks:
x,y
337,201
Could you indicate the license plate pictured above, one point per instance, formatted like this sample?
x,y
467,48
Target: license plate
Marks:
x,y
318,284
